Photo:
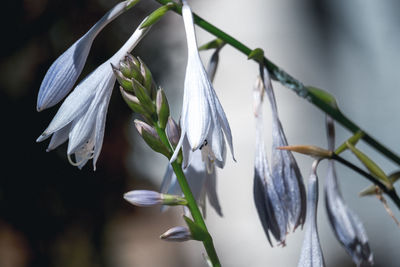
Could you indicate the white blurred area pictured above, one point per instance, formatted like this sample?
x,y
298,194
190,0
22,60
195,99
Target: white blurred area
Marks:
x,y
356,59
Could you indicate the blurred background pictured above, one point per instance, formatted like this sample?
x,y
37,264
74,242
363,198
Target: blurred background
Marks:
x,y
53,214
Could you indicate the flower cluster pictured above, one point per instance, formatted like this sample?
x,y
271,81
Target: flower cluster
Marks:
x,y
197,145
81,118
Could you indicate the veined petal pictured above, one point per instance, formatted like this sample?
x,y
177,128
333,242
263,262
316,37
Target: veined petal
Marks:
x,y
198,114
59,137
311,253
211,190
63,73
270,209
189,29
83,126
101,124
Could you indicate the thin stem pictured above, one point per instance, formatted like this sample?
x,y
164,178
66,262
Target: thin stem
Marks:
x,y
290,82
192,204
390,192
195,211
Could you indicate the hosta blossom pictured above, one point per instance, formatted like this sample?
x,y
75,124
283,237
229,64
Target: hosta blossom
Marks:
x,y
279,191
203,120
285,172
346,225
202,182
63,73
270,209
311,253
81,118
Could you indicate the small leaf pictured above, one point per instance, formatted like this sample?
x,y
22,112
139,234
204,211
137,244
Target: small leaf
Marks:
x,y
157,15
257,54
214,44
352,140
198,233
370,165
324,96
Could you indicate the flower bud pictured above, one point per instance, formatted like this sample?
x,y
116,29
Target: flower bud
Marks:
x,y
147,198
148,82
122,80
173,132
143,97
177,234
151,137
143,198
162,108
133,102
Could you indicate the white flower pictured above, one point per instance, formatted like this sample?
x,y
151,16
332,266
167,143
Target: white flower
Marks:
x,y
82,116
201,181
63,73
203,120
311,252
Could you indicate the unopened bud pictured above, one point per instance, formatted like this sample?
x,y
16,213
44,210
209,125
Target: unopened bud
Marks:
x,y
147,198
122,80
133,102
173,132
147,79
144,97
143,198
151,137
313,151
177,234
162,108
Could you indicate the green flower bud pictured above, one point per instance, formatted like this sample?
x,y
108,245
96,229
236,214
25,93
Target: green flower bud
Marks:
x,y
173,132
162,108
122,80
134,103
130,67
143,96
151,137
148,82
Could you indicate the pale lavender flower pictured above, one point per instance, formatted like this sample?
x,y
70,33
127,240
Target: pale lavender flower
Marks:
x,y
63,73
203,120
202,182
177,234
82,116
270,210
144,198
346,225
286,175
311,253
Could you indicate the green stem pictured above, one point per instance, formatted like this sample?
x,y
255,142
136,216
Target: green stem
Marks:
x,y
192,204
288,81
390,192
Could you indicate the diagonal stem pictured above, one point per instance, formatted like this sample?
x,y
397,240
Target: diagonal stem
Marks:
x,y
290,82
192,204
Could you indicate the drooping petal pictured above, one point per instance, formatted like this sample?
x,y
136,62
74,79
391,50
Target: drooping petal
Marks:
x,y
63,73
211,189
311,253
59,137
271,210
286,174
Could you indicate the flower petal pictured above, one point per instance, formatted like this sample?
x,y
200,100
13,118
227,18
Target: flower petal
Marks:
x,y
63,73
311,253
59,137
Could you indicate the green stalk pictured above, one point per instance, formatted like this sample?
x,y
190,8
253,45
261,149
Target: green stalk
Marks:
x,y
192,204
290,82
391,192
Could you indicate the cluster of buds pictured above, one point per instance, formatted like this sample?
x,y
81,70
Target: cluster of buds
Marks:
x,y
141,94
